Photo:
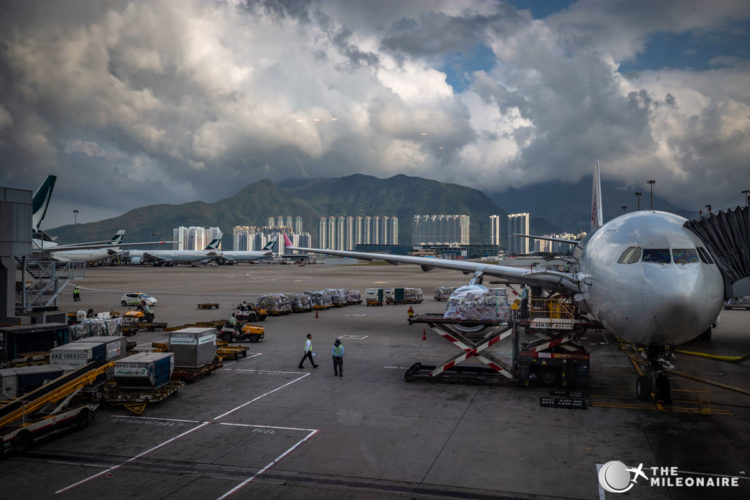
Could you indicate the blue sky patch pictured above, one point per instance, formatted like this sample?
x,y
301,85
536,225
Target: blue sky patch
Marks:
x,y
459,66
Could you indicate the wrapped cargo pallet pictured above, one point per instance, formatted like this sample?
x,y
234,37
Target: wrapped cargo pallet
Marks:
x,y
320,299
412,295
443,292
193,347
95,327
151,369
300,302
353,296
274,303
478,303
338,296
374,296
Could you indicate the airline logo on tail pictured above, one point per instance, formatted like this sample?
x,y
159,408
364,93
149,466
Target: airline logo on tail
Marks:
x,y
214,245
269,245
41,201
117,238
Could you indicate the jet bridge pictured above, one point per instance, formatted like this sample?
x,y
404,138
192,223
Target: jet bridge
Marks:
x,y
727,237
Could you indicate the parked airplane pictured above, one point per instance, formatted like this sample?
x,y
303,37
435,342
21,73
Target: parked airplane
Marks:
x,y
234,256
172,257
74,254
644,276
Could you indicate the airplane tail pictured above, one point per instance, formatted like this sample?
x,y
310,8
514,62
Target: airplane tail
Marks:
x,y
214,245
596,201
40,202
287,241
269,245
117,238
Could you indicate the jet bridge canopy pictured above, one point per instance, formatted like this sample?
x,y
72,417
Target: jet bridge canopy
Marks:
x,y
727,236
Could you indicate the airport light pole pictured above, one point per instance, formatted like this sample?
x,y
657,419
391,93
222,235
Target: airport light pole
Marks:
x,y
638,197
652,182
75,215
624,208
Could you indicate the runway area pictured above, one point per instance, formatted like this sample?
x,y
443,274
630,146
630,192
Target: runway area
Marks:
x,y
262,428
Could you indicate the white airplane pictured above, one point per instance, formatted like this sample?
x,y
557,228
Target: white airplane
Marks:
x,y
644,276
234,256
172,257
90,251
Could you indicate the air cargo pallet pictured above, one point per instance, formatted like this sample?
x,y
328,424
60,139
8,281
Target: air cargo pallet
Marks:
x,y
553,358
208,305
135,399
129,330
189,374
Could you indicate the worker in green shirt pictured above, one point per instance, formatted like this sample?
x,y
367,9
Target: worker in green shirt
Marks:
x,y
338,358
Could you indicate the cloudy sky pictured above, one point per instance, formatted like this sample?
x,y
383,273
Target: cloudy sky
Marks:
x,y
142,102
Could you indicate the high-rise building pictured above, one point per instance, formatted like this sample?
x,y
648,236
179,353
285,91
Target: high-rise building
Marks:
x,y
297,224
272,221
255,238
441,229
495,230
345,232
323,232
518,224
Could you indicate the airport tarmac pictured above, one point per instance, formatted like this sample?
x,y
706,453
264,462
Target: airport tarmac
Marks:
x,y
262,428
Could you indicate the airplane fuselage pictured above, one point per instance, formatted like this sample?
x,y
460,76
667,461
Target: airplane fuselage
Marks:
x,y
664,291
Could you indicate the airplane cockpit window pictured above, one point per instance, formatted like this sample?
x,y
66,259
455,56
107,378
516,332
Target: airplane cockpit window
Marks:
x,y
657,255
630,256
705,256
684,255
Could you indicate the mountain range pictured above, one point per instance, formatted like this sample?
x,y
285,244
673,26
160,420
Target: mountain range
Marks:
x,y
555,207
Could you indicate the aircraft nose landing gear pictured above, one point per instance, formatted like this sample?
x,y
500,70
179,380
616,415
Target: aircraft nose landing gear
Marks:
x,y
654,384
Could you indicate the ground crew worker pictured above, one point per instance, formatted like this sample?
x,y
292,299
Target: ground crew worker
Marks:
x,y
410,312
308,352
233,321
338,358
76,294
146,312
524,302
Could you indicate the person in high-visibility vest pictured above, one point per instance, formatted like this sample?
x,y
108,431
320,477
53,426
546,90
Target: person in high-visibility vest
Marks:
x,y
410,312
338,358
308,352
76,294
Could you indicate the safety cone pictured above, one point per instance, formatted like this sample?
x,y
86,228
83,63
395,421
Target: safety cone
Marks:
x,y
424,334
316,314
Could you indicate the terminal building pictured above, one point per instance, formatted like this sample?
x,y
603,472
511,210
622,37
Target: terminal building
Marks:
x,y
440,230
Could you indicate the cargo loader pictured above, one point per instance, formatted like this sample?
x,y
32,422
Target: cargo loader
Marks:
x,y
552,357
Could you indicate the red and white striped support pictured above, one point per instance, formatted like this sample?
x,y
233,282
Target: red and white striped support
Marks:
x,y
471,352
552,343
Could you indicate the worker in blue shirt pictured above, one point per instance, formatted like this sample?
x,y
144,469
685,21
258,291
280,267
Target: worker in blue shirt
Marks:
x,y
338,358
308,352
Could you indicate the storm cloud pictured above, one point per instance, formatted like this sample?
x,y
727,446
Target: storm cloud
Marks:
x,y
142,102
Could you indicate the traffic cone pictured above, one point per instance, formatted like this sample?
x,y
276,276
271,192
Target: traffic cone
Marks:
x,y
424,334
316,313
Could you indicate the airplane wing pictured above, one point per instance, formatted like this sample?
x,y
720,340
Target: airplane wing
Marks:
x,y
547,238
95,244
565,283
157,258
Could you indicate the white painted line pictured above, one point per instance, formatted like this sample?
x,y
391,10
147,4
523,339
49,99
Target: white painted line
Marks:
x,y
269,427
235,361
395,367
253,370
261,396
156,418
264,469
63,490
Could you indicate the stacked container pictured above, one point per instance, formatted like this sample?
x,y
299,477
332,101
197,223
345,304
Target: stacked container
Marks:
x,y
116,346
150,369
78,354
193,347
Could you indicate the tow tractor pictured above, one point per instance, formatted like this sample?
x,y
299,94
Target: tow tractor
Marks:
x,y
242,331
248,313
551,356
138,319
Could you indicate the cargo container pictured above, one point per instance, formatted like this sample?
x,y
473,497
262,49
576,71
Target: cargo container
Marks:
x,y
353,296
193,347
15,382
116,345
320,299
338,296
403,296
152,369
17,343
300,302
78,354
275,304
374,296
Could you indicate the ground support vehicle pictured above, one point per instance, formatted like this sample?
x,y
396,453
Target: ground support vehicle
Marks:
x,y
544,359
189,374
227,351
250,333
738,303
135,399
52,408
249,313
208,305
374,297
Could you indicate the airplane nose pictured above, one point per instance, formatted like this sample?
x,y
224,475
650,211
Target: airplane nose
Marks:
x,y
672,303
